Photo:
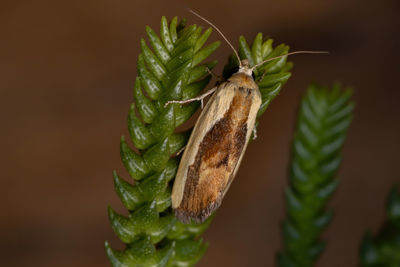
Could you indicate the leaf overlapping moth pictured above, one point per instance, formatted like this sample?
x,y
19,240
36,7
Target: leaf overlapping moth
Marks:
x,y
217,143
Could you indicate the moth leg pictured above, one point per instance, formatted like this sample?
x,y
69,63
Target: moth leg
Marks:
x,y
199,98
180,151
262,77
218,77
254,133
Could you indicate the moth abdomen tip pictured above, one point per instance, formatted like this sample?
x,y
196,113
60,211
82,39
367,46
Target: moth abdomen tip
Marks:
x,y
187,217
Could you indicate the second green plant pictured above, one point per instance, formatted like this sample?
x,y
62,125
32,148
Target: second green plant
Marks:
x,y
323,119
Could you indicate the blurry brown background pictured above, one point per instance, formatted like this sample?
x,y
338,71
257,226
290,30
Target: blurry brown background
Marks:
x,y
66,76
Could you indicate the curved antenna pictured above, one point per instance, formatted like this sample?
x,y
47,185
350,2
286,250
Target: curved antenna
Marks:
x,y
223,36
288,54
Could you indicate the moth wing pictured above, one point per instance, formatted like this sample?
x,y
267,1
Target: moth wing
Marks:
x,y
255,106
214,151
213,110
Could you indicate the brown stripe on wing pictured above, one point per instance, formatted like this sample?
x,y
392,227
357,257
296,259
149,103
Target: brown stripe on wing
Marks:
x,y
215,161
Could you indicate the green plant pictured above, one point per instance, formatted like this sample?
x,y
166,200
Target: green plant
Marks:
x,y
384,249
323,119
172,70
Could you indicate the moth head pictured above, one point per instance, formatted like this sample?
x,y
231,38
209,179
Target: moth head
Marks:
x,y
245,68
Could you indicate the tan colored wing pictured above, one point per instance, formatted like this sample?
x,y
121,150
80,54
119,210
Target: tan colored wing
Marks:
x,y
214,151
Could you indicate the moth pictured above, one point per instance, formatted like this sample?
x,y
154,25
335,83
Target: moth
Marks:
x,y
218,141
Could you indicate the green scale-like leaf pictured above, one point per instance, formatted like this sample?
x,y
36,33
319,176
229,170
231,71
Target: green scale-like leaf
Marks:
x,y
171,68
323,119
384,249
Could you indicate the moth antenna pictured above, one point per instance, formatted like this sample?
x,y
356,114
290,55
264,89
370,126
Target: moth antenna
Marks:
x,y
288,54
223,36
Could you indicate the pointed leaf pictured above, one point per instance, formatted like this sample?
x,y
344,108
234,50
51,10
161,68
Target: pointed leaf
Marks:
x,y
157,156
145,107
129,194
164,124
150,83
133,163
140,135
153,63
158,47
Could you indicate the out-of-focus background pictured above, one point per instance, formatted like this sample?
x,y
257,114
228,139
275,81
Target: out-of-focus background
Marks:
x,y
66,76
